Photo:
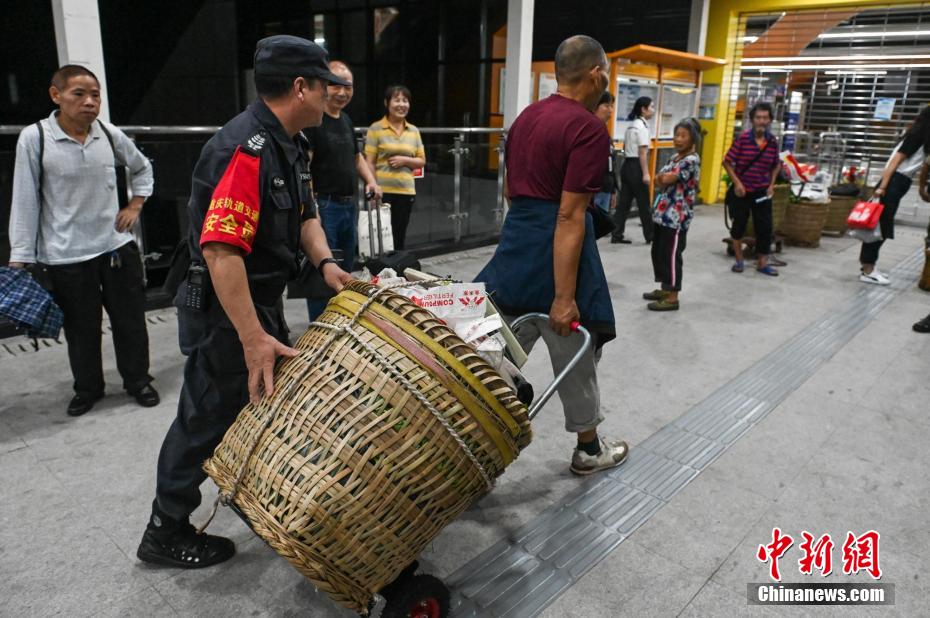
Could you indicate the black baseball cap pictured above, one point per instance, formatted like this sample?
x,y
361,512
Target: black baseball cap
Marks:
x,y
284,55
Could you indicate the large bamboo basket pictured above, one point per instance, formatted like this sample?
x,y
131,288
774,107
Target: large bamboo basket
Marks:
x,y
837,212
371,443
803,223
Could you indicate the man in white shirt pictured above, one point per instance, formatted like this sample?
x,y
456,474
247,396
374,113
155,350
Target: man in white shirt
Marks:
x,y
66,216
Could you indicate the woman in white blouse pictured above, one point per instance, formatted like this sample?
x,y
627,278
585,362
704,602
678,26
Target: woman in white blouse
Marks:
x,y
634,173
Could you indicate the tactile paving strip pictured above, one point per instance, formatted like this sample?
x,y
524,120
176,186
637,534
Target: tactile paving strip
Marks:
x,y
520,575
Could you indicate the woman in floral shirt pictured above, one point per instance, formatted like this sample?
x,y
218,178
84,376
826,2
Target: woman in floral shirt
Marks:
x,y
672,212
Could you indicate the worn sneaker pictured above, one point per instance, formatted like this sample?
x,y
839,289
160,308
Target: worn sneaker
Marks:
x,y
655,295
663,305
876,276
613,453
182,547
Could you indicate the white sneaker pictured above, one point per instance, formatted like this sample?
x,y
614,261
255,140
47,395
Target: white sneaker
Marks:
x,y
613,453
876,276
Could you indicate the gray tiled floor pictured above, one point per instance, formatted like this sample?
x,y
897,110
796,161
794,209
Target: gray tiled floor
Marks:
x,y
844,452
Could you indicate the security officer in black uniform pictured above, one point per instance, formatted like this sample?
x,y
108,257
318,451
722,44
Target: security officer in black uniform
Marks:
x,y
251,211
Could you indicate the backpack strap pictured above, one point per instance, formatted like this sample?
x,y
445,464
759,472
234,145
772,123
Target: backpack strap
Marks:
x,y
41,157
41,181
118,169
109,139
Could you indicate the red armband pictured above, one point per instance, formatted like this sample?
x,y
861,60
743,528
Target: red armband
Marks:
x,y
233,214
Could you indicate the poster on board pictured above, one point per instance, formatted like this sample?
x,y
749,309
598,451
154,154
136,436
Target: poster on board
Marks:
x,y
501,82
628,90
677,104
710,94
884,109
547,85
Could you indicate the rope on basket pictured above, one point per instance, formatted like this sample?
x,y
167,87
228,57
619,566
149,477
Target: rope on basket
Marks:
x,y
337,331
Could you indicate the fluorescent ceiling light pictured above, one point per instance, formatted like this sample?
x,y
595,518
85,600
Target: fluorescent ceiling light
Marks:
x,y
848,58
854,72
874,34
750,39
851,68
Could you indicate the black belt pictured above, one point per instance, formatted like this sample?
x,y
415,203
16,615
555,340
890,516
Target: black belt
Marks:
x,y
342,199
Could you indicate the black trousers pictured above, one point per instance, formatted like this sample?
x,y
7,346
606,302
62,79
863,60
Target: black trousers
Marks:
x,y
667,246
741,208
632,187
214,391
401,205
898,186
112,281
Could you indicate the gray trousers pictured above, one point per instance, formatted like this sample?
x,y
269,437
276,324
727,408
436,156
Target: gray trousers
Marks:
x,y
580,395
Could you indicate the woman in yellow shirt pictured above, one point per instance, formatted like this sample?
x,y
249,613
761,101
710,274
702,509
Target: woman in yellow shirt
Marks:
x,y
393,149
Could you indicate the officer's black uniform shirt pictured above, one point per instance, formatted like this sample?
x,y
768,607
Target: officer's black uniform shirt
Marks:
x,y
250,189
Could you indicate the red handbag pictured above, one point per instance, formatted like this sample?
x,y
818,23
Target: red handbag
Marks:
x,y
865,215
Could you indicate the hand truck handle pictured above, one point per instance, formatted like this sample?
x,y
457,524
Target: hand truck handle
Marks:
x,y
537,405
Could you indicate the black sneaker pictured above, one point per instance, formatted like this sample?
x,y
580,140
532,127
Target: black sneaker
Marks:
x,y
82,404
180,546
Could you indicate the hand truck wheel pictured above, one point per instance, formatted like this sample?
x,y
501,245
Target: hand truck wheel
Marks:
x,y
416,596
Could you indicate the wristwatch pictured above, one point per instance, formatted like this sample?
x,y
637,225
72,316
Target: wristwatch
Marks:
x,y
324,262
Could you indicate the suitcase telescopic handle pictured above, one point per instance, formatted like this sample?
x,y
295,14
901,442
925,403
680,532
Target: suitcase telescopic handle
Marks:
x,y
372,204
550,390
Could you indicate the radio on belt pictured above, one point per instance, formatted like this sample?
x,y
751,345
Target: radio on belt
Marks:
x,y
195,296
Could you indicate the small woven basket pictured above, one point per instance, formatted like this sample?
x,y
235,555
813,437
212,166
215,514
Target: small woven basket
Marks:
x,y
837,212
803,223
382,431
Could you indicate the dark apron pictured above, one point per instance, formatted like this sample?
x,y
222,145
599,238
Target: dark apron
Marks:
x,y
521,273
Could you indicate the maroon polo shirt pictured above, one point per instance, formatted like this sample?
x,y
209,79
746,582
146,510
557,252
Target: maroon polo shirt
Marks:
x,y
556,145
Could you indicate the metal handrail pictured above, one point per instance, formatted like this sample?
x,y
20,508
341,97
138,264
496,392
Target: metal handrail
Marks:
x,y
14,129
459,151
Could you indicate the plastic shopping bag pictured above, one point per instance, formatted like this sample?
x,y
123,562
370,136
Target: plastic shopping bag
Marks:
x,y
865,215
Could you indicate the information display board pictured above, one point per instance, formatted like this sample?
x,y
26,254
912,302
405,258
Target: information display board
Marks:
x,y
628,90
678,103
